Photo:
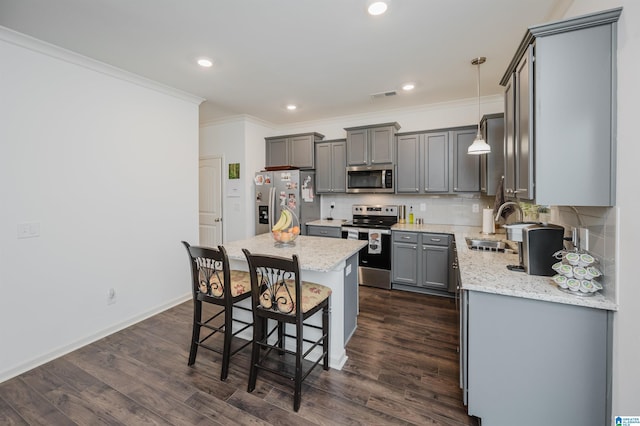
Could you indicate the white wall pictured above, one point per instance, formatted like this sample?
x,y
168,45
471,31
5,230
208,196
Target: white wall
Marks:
x,y
237,140
106,164
626,353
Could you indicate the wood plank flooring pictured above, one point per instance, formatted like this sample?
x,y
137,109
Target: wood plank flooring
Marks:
x,y
402,369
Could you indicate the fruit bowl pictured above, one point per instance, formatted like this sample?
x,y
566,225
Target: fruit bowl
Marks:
x,y
287,227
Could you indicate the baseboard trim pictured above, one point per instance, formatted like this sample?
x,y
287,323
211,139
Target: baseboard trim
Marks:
x,y
63,350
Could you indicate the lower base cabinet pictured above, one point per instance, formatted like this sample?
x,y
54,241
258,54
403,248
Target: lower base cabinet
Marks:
x,y
531,362
421,262
324,231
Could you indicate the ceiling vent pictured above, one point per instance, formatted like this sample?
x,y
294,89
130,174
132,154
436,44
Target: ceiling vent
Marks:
x,y
384,94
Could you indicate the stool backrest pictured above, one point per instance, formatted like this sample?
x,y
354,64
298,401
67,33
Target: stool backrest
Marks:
x,y
275,283
209,271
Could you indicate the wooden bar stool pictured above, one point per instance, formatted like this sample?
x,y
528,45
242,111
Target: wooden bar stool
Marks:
x,y
215,283
277,293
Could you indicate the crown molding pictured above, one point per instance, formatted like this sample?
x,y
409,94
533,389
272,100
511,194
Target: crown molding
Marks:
x,y
27,42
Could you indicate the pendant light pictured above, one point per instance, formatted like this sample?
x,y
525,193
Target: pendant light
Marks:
x,y
479,145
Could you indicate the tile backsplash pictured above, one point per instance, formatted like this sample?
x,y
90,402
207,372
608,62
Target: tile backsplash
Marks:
x,y
602,224
459,210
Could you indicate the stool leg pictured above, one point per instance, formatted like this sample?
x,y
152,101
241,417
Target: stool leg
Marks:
x,y
259,332
228,335
297,394
195,335
325,332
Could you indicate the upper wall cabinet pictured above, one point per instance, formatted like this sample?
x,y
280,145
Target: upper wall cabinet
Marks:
x,y
436,162
560,122
292,150
369,145
331,171
492,164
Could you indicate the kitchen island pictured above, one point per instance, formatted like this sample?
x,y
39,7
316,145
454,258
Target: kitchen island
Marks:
x,y
327,261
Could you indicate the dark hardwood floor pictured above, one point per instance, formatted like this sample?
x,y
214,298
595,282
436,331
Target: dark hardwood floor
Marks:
x,y
402,369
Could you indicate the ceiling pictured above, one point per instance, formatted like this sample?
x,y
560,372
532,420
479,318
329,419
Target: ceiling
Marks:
x,y
326,56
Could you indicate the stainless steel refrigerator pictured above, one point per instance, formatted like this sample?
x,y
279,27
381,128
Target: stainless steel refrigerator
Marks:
x,y
294,188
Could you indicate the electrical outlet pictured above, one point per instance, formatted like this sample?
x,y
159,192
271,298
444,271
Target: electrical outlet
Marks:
x,y
111,296
333,204
475,208
423,207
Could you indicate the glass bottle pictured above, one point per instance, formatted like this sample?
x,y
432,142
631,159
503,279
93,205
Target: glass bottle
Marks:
x,y
411,214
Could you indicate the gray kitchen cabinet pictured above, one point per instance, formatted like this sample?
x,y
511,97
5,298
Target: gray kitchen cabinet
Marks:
x,y
436,162
331,158
409,163
371,145
404,267
421,262
560,122
492,164
435,261
539,362
435,173
324,231
292,150
466,168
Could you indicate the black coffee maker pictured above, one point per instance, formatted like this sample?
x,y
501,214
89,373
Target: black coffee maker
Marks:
x,y
539,243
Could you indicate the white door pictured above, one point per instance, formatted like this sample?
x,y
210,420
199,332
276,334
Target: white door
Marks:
x,y
210,202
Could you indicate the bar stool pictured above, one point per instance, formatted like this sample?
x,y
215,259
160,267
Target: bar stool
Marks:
x,y
214,282
277,293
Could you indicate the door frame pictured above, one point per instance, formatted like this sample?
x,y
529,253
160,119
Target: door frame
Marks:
x,y
222,190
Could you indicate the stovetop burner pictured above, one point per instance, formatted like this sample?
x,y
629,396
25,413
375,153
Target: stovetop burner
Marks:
x,y
376,217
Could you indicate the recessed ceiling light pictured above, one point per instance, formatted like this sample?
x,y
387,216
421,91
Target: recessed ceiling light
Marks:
x,y
205,62
408,86
291,107
377,8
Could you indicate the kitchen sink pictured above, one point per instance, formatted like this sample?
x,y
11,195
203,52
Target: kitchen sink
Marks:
x,y
490,245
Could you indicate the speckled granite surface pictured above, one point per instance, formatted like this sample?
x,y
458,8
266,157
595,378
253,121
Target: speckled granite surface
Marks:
x,y
314,253
487,271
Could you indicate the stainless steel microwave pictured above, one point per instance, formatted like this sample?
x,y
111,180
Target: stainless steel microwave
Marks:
x,y
363,179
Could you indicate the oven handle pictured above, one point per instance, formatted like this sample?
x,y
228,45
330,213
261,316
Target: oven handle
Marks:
x,y
365,230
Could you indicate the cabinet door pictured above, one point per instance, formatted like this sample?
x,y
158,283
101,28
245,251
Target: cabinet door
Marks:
x,y
509,139
301,151
524,128
357,150
339,164
277,152
436,162
492,164
381,141
435,267
408,161
404,269
323,167
466,168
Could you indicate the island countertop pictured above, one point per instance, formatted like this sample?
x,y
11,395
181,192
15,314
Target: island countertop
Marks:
x,y
487,272
314,253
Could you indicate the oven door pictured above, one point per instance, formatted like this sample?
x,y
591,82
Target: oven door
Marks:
x,y
374,260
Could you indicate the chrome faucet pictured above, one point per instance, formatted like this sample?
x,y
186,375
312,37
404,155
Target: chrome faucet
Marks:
x,y
509,203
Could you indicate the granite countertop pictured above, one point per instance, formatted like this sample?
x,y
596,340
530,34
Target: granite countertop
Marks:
x,y
335,223
314,253
487,271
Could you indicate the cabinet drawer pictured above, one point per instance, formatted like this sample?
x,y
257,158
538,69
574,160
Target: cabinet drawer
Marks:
x,y
324,231
435,239
405,237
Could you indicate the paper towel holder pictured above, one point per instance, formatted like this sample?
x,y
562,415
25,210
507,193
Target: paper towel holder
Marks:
x,y
488,224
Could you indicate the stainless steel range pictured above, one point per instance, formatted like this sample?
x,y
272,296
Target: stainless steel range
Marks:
x,y
373,224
